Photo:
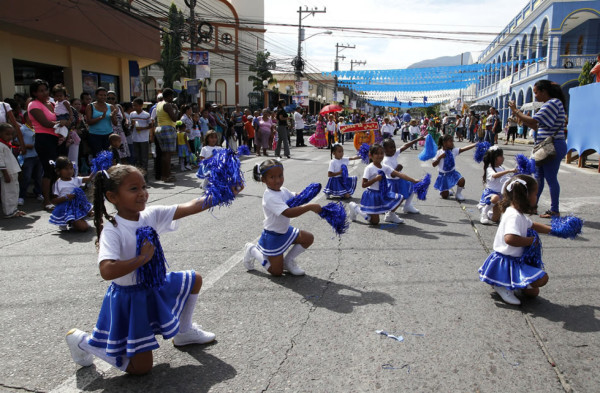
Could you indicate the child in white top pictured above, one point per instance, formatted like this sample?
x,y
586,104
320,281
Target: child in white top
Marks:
x,y
62,107
9,166
494,177
378,199
209,147
133,311
449,176
505,269
387,129
331,129
278,235
72,206
398,185
340,185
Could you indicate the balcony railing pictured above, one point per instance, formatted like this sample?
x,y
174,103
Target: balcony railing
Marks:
x,y
575,61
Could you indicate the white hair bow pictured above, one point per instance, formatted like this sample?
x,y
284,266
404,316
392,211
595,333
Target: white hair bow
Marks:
x,y
512,183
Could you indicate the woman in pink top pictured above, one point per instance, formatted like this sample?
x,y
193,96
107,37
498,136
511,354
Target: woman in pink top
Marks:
x,y
48,144
266,128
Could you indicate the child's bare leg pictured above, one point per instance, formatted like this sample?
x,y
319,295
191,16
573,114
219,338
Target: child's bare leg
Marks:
x,y
276,262
197,284
374,219
305,239
140,363
535,287
80,225
445,194
461,182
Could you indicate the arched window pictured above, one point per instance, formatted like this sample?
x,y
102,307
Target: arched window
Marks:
x,y
221,91
544,38
524,48
516,56
509,59
533,43
580,45
568,48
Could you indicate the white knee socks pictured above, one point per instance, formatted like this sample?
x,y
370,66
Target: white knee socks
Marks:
x,y
296,250
185,320
362,214
119,362
256,254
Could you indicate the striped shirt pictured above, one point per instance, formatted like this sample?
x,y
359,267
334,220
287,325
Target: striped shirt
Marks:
x,y
551,118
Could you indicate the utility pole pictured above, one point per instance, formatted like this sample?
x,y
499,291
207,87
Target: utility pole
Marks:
x,y
298,63
357,62
338,49
192,22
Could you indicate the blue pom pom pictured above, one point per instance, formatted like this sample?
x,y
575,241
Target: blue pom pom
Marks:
x,y
421,187
102,162
532,255
243,150
480,150
225,174
153,273
305,195
335,214
525,166
429,150
363,152
567,227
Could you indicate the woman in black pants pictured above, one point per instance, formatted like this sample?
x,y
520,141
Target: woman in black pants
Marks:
x,y
512,129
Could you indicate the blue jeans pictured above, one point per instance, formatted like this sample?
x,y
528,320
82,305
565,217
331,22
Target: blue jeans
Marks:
x,y
31,170
489,136
549,172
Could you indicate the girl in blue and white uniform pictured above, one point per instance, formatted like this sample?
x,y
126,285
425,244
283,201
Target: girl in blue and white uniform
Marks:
x,y
449,176
339,183
398,185
494,177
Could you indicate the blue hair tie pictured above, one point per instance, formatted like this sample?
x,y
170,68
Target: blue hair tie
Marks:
x,y
267,169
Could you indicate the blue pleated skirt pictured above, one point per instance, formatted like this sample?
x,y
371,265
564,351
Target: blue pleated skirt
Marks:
x,y
273,243
131,316
486,197
203,172
401,186
510,272
446,181
371,202
336,186
72,210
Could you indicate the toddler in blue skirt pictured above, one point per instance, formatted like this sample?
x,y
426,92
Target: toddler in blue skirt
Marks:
x,y
398,185
209,148
72,206
378,198
137,306
278,235
507,269
339,183
494,177
449,176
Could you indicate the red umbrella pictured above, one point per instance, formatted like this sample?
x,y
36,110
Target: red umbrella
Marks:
x,y
330,109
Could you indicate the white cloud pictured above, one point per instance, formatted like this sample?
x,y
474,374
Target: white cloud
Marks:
x,y
387,52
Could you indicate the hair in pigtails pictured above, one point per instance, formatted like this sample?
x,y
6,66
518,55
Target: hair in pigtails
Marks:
x,y
489,158
256,173
442,139
516,192
261,169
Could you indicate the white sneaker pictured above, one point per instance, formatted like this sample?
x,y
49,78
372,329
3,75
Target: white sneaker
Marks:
x,y
485,220
193,336
392,217
40,197
507,295
20,201
292,267
81,357
410,209
352,211
248,258
459,197
63,228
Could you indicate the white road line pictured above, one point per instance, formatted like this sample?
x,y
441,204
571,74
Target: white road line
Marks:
x,y
88,375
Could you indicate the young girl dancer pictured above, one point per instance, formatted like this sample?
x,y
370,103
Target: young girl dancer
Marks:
x,y
494,177
331,131
209,147
72,206
318,139
378,198
278,234
133,313
398,185
339,183
505,269
449,176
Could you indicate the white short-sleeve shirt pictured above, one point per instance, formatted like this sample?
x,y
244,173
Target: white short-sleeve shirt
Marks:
x,y
141,119
387,129
455,153
274,203
496,184
207,151
392,161
371,171
118,243
512,223
336,165
63,188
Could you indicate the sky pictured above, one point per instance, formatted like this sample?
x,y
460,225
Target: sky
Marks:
x,y
385,52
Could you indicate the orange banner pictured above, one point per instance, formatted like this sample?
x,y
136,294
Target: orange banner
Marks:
x,y
360,127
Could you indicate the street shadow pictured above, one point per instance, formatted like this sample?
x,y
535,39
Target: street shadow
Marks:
x,y
335,297
199,378
426,219
18,223
591,224
575,318
73,236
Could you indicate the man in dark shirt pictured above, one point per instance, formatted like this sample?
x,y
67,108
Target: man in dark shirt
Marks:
x,y
282,131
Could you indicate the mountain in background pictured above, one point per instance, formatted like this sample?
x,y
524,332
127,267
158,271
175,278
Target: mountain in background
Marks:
x,y
444,61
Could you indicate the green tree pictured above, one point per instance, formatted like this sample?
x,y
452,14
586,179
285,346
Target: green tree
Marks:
x,y
170,56
261,67
585,78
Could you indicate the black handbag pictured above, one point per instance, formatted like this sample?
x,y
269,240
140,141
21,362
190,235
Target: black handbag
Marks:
x,y
544,151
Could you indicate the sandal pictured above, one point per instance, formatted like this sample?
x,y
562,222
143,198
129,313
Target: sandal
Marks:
x,y
549,214
49,207
16,213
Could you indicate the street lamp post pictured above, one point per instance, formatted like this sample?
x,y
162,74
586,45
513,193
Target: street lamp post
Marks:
x,y
314,98
265,93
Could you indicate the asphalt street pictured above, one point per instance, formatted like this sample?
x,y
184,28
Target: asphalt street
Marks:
x,y
317,333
